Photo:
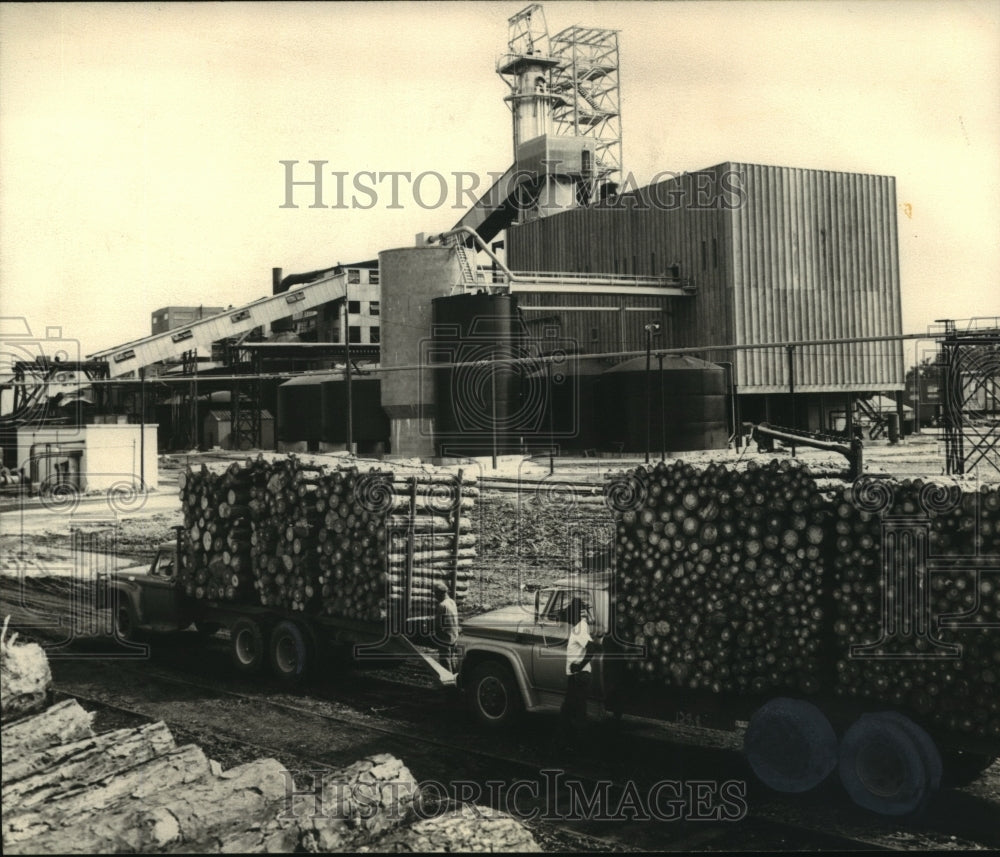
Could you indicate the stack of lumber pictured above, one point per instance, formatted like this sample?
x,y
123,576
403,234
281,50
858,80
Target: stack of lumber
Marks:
x,y
324,537
67,790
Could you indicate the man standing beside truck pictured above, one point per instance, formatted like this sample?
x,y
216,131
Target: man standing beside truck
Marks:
x,y
580,649
445,626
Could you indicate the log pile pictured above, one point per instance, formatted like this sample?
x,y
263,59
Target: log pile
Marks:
x,y
960,694
66,789
762,580
720,575
301,536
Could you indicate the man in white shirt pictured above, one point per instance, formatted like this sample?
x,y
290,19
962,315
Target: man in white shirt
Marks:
x,y
580,650
445,626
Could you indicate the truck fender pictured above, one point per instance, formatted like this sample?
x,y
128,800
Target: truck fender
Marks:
x,y
492,651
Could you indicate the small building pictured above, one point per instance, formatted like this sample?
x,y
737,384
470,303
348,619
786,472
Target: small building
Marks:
x,y
96,457
170,317
218,429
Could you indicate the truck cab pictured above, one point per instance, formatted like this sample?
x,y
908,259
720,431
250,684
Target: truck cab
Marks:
x,y
514,659
148,598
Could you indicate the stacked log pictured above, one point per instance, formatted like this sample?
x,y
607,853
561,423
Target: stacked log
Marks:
x,y
720,575
217,532
326,539
761,580
957,690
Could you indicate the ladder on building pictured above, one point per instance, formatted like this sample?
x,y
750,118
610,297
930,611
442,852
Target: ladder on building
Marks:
x,y
465,264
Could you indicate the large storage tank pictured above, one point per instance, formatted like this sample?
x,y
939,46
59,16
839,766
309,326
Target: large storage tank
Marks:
x,y
687,405
572,409
487,407
300,411
410,278
369,424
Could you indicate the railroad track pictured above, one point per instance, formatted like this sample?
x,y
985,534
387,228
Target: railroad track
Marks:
x,y
763,828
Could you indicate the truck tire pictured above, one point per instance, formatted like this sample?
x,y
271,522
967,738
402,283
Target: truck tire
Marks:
x,y
888,764
289,652
790,745
494,695
125,628
247,641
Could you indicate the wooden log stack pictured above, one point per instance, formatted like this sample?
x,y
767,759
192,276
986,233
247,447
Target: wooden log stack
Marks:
x,y
326,539
763,580
720,575
946,525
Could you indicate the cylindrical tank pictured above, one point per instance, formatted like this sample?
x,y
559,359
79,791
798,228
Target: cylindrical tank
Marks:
x,y
686,411
369,424
410,277
480,409
572,413
300,414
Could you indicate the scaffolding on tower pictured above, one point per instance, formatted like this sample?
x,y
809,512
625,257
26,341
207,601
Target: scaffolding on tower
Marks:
x,y
587,79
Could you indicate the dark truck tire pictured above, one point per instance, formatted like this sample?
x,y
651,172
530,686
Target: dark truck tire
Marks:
x,y
790,745
888,764
247,645
125,627
289,651
494,696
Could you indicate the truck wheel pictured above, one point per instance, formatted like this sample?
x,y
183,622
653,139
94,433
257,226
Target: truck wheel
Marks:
x,y
494,695
289,651
247,641
790,745
125,625
888,764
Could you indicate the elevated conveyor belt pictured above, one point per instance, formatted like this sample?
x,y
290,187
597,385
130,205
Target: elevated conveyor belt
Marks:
x,y
495,210
170,346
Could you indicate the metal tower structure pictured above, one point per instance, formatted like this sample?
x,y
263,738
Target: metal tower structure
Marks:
x,y
588,81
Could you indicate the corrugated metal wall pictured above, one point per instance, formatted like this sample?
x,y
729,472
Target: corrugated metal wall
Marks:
x,y
589,323
776,254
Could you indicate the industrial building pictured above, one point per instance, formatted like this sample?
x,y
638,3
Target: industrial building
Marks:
x,y
563,311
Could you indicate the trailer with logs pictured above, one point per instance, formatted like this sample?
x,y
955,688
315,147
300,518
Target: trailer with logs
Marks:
x,y
297,560
840,627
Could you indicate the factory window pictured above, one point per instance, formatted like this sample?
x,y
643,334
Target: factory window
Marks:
x,y
353,275
354,307
715,253
354,333
595,334
704,256
374,335
373,277
373,307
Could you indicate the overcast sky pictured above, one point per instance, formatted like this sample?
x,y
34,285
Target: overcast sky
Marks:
x,y
140,144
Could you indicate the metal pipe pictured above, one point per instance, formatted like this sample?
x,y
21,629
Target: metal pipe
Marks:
x,y
347,372
663,413
791,386
142,428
